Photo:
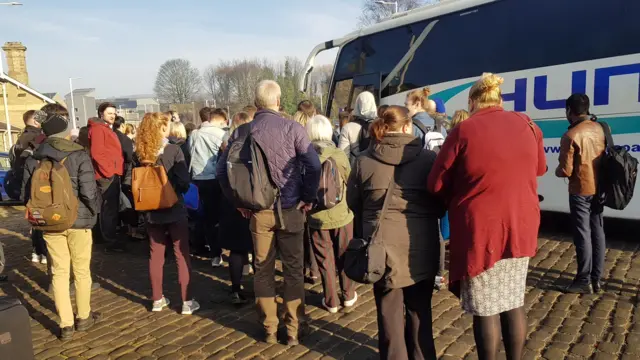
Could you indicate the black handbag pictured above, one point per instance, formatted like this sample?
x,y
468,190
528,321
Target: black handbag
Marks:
x,y
365,261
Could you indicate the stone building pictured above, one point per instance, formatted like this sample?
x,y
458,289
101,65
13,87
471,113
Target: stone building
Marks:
x,y
19,96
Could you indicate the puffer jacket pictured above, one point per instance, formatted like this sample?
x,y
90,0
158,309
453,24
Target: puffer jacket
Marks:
x,y
293,163
409,230
339,215
80,170
581,149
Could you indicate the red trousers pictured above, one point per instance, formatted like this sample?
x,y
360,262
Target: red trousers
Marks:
x,y
159,237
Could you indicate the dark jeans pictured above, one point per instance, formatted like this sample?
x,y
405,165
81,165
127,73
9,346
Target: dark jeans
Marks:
x,y
37,240
210,195
410,336
109,217
588,237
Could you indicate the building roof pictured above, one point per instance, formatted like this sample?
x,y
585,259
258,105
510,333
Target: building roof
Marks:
x,y
8,79
82,92
50,95
3,127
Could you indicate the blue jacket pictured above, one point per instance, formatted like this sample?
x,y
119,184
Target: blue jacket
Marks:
x,y
204,146
293,163
428,122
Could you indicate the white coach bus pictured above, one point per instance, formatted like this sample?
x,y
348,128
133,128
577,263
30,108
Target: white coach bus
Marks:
x,y
545,50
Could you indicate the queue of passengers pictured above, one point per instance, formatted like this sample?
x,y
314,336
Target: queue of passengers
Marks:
x,y
403,184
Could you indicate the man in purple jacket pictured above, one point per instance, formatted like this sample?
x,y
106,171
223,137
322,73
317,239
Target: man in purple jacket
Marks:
x,y
295,168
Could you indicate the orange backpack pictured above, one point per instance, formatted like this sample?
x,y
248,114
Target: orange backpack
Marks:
x,y
151,188
53,205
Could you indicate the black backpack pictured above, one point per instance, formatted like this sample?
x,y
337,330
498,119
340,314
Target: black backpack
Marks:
x,y
618,172
365,136
12,182
248,174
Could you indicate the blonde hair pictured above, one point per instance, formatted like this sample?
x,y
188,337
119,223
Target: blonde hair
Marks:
x,y
458,117
150,136
301,118
319,128
420,97
178,130
486,91
130,130
240,118
267,94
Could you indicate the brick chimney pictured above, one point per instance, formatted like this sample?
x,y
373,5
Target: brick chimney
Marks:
x,y
16,61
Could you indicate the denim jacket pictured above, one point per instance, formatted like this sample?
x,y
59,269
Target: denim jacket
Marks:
x,y
205,145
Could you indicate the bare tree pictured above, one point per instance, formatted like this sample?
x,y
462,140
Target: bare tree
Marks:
x,y
177,81
373,12
209,80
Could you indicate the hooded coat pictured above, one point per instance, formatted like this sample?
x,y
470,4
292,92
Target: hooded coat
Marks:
x,y
365,111
78,164
409,230
339,215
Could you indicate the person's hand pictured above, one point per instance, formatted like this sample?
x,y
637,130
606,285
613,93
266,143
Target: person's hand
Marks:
x,y
245,213
306,207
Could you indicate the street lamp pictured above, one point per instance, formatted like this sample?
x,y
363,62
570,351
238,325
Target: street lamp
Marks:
x,y
13,3
73,105
395,3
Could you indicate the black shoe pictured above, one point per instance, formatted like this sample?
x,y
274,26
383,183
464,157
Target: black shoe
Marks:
x,y
4,278
66,333
238,299
86,324
271,338
292,341
576,288
597,287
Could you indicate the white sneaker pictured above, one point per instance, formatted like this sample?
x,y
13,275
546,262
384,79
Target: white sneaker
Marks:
x,y
158,305
43,260
35,258
332,310
247,270
350,303
216,261
189,307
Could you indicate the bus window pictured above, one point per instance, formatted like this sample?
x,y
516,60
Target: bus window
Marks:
x,y
340,98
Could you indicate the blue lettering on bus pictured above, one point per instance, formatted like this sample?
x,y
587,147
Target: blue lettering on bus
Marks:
x,y
578,85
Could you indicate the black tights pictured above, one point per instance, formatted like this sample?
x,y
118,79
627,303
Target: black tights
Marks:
x,y
237,260
486,330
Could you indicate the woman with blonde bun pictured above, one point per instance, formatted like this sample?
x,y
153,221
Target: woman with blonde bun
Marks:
x,y
487,174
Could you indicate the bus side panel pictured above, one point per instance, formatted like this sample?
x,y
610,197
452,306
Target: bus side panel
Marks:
x,y
613,85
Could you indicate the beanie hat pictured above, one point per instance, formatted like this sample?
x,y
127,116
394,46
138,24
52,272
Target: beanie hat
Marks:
x,y
440,109
54,124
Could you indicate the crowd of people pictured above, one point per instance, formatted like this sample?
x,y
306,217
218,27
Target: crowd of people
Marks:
x,y
403,173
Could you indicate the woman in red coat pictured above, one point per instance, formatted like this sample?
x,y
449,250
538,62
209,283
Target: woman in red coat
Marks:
x,y
487,172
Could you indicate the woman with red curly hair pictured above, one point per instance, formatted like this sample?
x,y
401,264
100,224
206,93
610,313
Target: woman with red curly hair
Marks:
x,y
166,225
409,232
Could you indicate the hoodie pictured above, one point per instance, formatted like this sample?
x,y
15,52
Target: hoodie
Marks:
x,y
409,230
339,215
78,164
106,151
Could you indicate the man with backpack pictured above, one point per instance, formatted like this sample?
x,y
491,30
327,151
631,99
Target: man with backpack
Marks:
x,y
271,172
63,204
581,152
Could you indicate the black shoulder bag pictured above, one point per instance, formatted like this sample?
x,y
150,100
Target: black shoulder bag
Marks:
x,y
365,261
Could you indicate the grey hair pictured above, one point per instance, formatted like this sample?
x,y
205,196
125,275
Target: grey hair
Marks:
x,y
319,129
267,94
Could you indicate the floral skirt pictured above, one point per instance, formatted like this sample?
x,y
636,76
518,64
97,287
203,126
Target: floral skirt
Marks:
x,y
496,290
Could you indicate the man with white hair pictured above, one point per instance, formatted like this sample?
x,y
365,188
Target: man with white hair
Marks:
x,y
295,169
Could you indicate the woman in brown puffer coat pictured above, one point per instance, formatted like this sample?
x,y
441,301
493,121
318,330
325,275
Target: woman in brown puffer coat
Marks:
x,y
409,232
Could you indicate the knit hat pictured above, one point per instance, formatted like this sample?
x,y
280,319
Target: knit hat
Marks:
x,y
54,124
440,109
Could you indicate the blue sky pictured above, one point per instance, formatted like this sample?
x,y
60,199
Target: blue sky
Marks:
x,y
117,46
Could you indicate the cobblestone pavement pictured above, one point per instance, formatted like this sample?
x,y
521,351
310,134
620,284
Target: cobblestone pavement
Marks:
x,y
560,326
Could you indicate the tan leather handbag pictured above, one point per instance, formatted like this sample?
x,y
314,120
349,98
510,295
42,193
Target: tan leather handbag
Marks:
x,y
151,188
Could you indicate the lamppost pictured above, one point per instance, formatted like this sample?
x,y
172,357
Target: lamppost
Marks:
x,y
395,3
4,91
73,106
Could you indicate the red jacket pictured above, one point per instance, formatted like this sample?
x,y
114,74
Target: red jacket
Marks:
x,y
106,151
487,171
